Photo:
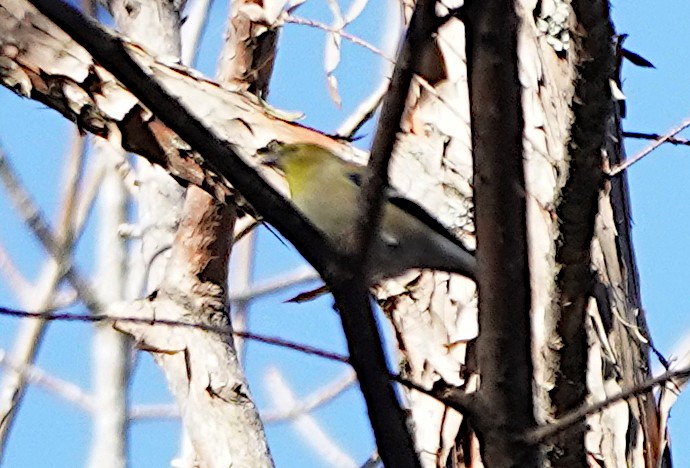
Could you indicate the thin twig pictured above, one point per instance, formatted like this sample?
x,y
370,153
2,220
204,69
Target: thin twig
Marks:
x,y
306,405
67,317
62,388
89,193
543,433
656,136
450,396
273,285
24,289
13,277
464,405
364,112
310,402
306,425
664,139
341,33
44,294
242,264
153,411
37,223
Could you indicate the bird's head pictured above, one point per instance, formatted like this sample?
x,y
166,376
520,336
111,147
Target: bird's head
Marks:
x,y
295,158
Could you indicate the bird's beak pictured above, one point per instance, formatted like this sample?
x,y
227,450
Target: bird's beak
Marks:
x,y
269,160
268,156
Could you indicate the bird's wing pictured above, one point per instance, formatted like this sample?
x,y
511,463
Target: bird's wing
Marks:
x,y
421,214
355,174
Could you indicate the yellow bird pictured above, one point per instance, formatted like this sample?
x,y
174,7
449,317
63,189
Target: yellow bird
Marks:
x,y
326,190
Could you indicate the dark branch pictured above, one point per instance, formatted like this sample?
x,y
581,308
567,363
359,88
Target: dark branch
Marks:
x,y
656,136
504,341
417,39
352,295
452,397
49,316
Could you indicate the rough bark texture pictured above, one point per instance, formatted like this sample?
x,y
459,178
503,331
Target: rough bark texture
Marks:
x,y
248,55
201,367
396,446
592,109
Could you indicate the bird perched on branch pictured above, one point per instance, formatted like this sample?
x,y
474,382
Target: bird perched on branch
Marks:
x,y
325,188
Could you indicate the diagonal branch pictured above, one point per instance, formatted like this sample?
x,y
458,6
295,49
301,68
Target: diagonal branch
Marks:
x,y
36,221
660,140
543,433
31,332
112,53
351,294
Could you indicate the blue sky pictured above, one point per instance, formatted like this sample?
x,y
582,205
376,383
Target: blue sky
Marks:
x,y
656,101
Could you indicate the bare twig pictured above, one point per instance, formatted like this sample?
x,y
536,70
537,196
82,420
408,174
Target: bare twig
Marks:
x,y
38,224
44,294
273,285
24,289
153,411
543,433
307,427
450,396
68,391
364,112
14,278
305,405
310,402
656,136
193,27
660,141
91,185
66,317
343,34
242,265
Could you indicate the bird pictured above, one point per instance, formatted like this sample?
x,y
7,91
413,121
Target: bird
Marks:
x,y
325,188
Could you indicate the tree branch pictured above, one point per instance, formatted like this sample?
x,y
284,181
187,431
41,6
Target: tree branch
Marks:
x,y
543,433
112,53
660,141
504,341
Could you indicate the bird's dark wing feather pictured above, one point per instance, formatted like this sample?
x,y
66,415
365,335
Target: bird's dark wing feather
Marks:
x,y
420,213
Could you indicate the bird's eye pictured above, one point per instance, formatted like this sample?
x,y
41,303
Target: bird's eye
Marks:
x,y
355,178
391,242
